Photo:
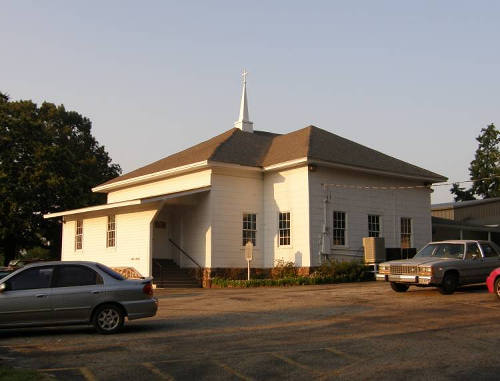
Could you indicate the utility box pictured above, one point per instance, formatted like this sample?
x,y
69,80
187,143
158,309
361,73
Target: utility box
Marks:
x,y
374,249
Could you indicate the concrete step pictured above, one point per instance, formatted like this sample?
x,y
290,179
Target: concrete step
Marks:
x,y
166,274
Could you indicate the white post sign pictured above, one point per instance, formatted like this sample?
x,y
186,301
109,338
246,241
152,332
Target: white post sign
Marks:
x,y
249,255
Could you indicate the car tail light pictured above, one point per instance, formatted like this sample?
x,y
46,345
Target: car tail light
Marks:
x,y
148,289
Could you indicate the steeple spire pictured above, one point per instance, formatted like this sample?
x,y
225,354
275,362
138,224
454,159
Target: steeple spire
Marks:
x,y
243,122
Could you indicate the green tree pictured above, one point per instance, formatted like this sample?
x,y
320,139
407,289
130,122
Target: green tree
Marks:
x,y
484,169
49,161
462,194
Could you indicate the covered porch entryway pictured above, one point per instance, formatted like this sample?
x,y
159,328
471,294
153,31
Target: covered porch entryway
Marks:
x,y
181,239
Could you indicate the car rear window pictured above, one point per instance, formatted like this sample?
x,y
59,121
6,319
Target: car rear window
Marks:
x,y
110,272
76,275
488,250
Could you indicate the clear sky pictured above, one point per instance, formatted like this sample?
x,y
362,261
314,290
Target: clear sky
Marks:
x,y
414,79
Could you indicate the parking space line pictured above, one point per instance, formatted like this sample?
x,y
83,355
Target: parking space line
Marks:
x,y
342,354
86,372
479,305
155,370
297,364
234,372
48,370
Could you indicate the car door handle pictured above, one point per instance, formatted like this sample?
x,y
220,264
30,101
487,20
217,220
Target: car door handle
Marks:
x,y
95,292
41,295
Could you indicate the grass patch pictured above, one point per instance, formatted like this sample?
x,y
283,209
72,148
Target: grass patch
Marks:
x,y
15,374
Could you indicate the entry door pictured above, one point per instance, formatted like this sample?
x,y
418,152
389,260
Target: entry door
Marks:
x,y
27,297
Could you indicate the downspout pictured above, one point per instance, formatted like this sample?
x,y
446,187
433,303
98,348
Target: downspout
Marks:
x,y
323,249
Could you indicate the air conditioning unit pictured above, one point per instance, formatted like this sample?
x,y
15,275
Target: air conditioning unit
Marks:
x,y
374,249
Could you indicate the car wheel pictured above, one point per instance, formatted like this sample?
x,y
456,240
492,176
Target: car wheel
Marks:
x,y
497,287
399,287
108,319
449,284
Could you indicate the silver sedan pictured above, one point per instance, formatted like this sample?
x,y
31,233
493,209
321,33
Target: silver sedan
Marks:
x,y
60,293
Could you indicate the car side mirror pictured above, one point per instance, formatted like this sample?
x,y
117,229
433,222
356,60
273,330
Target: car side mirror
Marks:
x,y
3,287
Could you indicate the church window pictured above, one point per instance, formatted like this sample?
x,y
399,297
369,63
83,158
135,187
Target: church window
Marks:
x,y
79,235
406,233
249,228
284,228
111,232
339,228
373,225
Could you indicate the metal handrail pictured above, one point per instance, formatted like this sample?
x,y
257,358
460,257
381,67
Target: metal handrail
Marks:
x,y
157,263
186,254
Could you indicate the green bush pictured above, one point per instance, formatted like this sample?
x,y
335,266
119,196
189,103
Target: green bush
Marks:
x,y
285,274
283,269
346,271
38,253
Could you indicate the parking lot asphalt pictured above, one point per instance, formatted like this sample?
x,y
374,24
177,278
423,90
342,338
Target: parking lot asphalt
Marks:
x,y
351,331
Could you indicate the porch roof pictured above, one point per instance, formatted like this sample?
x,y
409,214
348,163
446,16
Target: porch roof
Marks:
x,y
459,225
123,204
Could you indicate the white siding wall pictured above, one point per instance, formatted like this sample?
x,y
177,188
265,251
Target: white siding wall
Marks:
x,y
210,227
390,205
287,191
132,241
234,193
196,232
171,185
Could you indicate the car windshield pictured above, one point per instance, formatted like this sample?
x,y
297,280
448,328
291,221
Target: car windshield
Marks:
x,y
442,250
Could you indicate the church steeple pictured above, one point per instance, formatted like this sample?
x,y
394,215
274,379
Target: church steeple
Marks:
x,y
243,122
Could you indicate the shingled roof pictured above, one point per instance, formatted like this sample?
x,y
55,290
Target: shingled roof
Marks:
x,y
261,149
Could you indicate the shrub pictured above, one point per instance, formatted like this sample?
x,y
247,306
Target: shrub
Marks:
x,y
283,269
343,271
285,274
38,252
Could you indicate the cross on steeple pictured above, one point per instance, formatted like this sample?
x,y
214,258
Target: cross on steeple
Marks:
x,y
243,122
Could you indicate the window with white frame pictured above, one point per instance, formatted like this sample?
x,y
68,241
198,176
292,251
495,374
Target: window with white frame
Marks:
x,y
79,235
249,228
406,232
373,225
111,232
284,228
339,228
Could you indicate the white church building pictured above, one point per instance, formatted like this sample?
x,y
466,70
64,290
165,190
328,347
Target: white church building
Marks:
x,y
302,196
